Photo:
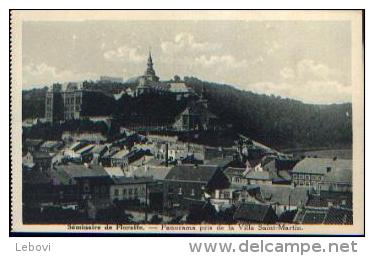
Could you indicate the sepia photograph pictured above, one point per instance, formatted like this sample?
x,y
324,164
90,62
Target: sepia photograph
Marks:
x,y
187,122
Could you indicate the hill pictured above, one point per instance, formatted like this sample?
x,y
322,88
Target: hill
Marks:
x,y
274,121
279,122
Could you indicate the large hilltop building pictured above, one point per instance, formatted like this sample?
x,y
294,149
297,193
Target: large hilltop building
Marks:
x,y
149,83
68,101
63,104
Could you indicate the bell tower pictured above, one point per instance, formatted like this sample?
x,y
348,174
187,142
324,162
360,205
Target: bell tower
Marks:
x,y
150,73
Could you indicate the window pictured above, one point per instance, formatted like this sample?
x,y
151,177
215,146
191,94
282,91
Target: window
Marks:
x,y
116,192
192,192
180,192
328,169
301,176
125,192
307,176
307,183
295,176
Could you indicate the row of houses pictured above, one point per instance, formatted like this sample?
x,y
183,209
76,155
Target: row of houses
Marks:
x,y
174,189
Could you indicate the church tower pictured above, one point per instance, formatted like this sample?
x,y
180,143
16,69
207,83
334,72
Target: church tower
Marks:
x,y
150,73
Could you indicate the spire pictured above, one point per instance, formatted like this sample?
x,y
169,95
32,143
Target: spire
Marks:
x,y
150,72
150,62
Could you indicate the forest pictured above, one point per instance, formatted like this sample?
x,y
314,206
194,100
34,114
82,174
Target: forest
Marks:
x,y
274,121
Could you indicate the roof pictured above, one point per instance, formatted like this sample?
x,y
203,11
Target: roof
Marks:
x,y
191,173
121,154
51,144
253,175
284,195
197,109
114,171
178,87
343,175
59,176
85,149
320,166
157,173
252,212
82,171
233,171
219,161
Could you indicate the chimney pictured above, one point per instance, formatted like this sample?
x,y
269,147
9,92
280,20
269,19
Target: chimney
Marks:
x,y
167,155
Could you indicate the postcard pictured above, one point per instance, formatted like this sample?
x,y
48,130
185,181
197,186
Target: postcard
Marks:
x,y
187,122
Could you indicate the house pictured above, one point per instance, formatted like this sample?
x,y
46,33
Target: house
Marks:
x,y
92,184
282,198
259,177
226,197
180,89
326,174
191,182
196,116
255,213
330,199
130,188
42,160
236,175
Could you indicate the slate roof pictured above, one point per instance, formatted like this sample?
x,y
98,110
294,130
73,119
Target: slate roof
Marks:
x,y
81,171
219,161
85,149
253,175
115,171
283,195
233,171
320,165
121,154
157,173
252,212
191,173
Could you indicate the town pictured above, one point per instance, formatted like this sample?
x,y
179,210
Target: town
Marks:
x,y
173,171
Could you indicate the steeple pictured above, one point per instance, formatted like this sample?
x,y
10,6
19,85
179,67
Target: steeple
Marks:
x,y
150,73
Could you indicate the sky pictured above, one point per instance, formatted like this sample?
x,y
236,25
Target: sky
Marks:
x,y
304,60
